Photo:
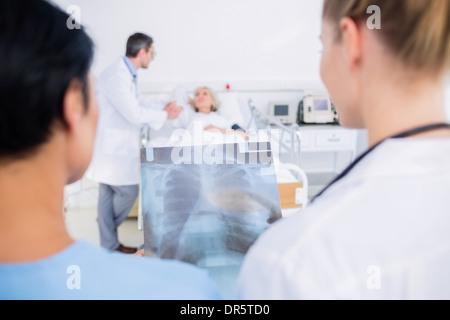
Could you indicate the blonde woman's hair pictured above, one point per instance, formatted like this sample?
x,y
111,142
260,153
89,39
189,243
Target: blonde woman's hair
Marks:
x,y
216,103
417,32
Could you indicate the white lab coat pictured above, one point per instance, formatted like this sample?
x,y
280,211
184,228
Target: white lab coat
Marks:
x,y
121,113
382,232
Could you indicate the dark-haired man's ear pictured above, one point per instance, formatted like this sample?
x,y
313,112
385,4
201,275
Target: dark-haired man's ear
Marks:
x,y
73,105
352,40
142,52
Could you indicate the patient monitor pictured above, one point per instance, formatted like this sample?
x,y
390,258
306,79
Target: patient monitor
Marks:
x,y
283,111
317,110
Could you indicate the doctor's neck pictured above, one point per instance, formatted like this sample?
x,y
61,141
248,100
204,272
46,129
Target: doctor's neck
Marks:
x,y
136,62
393,104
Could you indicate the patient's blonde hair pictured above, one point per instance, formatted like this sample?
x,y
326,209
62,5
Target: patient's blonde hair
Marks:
x,y
417,32
216,103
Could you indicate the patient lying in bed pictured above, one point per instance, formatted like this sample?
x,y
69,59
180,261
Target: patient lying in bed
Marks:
x,y
205,116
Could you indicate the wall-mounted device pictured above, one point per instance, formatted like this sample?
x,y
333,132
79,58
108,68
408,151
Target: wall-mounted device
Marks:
x,y
284,111
317,110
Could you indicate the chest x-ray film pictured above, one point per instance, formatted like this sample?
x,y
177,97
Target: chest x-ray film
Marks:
x,y
207,205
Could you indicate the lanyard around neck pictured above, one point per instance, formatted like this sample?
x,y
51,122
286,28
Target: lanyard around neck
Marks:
x,y
405,134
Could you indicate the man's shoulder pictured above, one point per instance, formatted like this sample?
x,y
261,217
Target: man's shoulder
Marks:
x,y
86,271
118,67
148,278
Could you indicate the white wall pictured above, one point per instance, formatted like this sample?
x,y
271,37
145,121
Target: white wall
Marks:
x,y
254,45
250,44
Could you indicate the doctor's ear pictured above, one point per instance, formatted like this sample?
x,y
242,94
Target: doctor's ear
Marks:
x,y
142,52
74,105
351,37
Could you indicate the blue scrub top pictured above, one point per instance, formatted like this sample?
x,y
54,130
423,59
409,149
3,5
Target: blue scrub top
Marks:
x,y
84,271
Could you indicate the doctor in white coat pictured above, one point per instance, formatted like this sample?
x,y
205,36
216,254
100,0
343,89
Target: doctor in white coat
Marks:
x,y
115,163
381,229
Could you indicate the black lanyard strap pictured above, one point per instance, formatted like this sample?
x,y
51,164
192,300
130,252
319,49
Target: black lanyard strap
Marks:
x,y
405,134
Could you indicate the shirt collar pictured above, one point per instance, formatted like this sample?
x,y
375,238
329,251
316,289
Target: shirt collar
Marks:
x,y
131,67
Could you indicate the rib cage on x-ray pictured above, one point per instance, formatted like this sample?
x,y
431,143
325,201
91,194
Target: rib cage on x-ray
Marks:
x,y
204,213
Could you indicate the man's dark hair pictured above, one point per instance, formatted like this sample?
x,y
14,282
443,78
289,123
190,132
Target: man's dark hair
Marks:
x,y
39,58
136,42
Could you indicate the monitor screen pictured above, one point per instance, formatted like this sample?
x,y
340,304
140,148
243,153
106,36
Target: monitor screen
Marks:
x,y
321,105
281,110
